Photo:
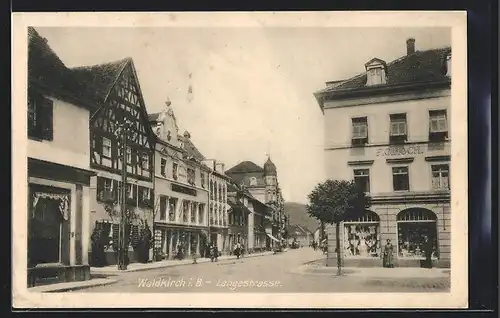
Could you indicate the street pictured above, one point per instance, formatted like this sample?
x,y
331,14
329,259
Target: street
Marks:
x,y
273,273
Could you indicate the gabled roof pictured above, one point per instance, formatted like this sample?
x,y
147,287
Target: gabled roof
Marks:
x,y
376,59
99,79
46,69
418,67
245,166
191,149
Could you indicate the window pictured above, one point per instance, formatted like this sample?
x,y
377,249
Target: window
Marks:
x,y
201,209
191,176
129,155
130,191
185,211
359,131
202,177
146,194
211,215
145,161
40,116
174,170
438,125
362,179
400,179
193,212
106,147
163,166
172,206
398,128
163,208
417,231
108,185
253,181
440,177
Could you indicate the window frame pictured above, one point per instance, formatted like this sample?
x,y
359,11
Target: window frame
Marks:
x,y
104,141
42,109
407,167
398,120
163,167
145,161
447,165
357,123
367,176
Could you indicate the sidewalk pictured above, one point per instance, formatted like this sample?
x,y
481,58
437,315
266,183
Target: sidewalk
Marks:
x,y
70,286
375,272
135,267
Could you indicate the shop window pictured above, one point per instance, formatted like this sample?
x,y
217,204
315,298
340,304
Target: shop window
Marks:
x,y
440,177
417,232
163,167
400,179
362,179
359,131
172,206
398,128
438,125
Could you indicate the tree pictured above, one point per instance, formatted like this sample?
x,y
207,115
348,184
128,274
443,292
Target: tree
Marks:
x,y
334,201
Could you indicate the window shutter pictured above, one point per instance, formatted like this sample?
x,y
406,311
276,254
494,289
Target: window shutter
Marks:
x,y
46,115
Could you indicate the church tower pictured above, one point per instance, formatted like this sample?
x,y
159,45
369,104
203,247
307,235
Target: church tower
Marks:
x,y
270,178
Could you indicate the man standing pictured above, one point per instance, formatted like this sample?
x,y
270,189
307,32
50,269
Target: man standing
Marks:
x,y
428,249
388,251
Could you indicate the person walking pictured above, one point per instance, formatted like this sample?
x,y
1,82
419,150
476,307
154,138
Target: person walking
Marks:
x,y
388,255
428,252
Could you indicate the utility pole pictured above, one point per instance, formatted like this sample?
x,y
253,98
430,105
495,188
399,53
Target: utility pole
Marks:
x,y
122,249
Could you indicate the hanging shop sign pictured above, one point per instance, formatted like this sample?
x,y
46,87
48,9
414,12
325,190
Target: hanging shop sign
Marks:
x,y
400,151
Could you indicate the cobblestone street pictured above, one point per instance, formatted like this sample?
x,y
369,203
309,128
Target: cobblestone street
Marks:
x,y
273,273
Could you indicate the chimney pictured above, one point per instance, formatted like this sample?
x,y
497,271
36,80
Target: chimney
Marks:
x,y
410,46
219,167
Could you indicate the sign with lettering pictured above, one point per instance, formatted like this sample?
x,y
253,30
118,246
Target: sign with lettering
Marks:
x,y
400,150
185,190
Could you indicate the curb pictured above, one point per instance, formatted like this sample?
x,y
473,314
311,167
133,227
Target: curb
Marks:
x,y
304,269
97,272
55,289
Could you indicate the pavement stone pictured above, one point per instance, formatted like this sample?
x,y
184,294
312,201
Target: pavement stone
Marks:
x,y
70,286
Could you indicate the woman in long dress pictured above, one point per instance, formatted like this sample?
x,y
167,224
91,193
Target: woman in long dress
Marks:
x,y
388,255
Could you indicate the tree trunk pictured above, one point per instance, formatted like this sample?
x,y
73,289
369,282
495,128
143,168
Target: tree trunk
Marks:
x,y
337,248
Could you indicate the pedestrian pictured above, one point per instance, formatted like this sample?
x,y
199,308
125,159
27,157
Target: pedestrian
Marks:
x,y
428,252
388,255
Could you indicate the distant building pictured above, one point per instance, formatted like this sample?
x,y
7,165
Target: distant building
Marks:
x,y
263,185
388,129
181,189
58,169
300,234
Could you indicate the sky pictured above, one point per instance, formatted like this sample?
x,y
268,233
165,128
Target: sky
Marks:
x,y
252,86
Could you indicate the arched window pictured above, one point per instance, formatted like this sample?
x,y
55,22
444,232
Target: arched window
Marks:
x,y
361,236
417,233
253,181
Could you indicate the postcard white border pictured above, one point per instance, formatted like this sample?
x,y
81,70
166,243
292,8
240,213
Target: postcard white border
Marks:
x,y
457,298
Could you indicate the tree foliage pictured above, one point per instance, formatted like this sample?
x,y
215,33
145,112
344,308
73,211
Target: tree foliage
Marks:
x,y
334,201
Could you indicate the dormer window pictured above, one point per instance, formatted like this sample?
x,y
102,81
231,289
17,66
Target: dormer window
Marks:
x,y
375,72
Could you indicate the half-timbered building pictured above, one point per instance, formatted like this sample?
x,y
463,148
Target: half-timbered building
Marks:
x,y
119,135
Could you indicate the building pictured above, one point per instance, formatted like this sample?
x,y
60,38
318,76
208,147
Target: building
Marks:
x,y
299,234
388,129
263,185
121,149
58,169
249,221
181,189
218,205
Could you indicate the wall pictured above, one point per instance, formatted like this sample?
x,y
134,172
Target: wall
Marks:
x,y
70,145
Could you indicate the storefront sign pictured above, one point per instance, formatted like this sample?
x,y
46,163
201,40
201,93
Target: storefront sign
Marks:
x,y
400,151
185,190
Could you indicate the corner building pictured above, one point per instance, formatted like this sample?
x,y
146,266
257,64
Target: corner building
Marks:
x,y
388,129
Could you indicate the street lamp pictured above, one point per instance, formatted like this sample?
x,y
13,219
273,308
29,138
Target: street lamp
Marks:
x,y
122,132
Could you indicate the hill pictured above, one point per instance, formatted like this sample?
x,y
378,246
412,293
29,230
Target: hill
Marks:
x,y
298,215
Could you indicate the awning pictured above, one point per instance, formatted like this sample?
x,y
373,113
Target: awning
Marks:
x,y
272,237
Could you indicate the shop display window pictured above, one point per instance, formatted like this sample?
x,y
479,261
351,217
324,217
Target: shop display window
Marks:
x,y
414,227
362,236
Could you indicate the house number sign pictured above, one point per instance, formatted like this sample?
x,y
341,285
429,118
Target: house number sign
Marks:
x,y
400,151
